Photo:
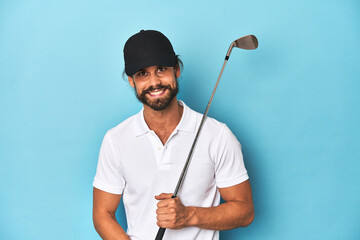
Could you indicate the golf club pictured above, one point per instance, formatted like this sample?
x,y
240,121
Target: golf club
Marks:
x,y
248,42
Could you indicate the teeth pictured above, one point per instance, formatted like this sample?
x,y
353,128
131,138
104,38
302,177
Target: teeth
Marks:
x,y
157,91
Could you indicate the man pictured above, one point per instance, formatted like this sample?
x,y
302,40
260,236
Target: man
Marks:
x,y
141,159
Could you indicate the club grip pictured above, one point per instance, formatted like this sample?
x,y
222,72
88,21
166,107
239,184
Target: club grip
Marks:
x,y
161,231
160,234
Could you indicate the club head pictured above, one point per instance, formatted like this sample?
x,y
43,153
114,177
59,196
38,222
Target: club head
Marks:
x,y
248,42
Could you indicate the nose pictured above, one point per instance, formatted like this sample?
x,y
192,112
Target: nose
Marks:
x,y
154,79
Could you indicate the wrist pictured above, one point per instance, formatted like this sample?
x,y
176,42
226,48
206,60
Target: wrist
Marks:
x,y
192,220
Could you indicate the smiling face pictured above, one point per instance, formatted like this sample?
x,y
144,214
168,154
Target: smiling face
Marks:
x,y
156,86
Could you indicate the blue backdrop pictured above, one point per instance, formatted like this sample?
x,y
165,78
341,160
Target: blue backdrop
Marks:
x,y
293,104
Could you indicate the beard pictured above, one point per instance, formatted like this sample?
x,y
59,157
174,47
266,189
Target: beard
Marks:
x,y
159,103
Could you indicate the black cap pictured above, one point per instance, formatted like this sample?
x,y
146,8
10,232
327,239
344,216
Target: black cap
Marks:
x,y
148,48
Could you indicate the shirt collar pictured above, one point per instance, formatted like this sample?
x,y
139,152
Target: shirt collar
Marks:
x,y
186,124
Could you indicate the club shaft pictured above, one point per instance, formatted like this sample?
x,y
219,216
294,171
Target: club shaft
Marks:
x,y
187,163
161,231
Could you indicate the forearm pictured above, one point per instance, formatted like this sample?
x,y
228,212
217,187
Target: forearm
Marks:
x,y
226,216
108,228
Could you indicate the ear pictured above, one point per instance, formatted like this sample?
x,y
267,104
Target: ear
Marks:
x,y
131,81
177,72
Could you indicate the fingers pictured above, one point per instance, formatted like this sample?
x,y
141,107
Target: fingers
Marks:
x,y
169,203
170,212
165,200
173,220
167,224
168,220
165,211
163,196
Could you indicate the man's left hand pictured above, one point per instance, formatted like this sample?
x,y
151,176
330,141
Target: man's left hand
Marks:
x,y
171,213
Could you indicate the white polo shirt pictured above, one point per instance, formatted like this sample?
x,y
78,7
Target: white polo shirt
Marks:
x,y
134,162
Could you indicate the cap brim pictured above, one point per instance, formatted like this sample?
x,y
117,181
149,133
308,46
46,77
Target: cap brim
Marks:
x,y
159,60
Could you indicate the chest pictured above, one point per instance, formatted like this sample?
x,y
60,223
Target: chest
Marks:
x,y
155,168
163,135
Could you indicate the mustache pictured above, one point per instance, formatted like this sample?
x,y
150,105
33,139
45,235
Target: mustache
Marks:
x,y
152,88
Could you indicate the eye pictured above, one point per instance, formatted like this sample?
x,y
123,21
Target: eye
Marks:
x,y
161,69
141,73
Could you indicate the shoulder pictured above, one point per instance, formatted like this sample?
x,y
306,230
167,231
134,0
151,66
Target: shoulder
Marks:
x,y
212,127
125,129
219,131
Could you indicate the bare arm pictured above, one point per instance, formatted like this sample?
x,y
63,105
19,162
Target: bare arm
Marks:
x,y
104,208
237,211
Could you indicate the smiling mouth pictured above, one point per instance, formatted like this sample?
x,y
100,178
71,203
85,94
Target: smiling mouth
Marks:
x,y
157,92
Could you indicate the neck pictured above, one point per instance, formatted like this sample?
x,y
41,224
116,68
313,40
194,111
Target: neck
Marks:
x,y
163,122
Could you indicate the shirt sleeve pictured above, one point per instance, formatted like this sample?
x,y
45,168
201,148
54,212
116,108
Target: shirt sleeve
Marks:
x,y
108,175
229,163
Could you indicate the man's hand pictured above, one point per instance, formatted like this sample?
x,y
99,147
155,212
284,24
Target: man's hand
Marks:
x,y
236,211
171,213
104,208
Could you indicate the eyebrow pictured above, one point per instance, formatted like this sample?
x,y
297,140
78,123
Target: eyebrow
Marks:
x,y
158,66
141,70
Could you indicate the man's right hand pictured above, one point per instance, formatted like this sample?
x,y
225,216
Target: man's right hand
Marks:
x,y
104,208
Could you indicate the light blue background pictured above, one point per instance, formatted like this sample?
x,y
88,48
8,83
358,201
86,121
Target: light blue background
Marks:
x,y
293,104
